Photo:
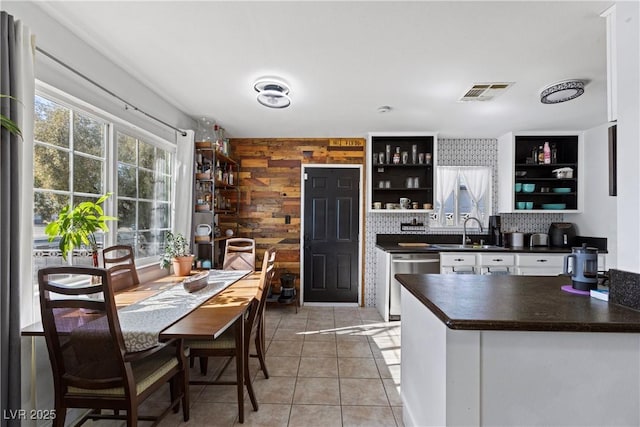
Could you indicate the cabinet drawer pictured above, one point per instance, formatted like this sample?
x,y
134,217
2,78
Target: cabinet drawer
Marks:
x,y
457,259
488,259
536,260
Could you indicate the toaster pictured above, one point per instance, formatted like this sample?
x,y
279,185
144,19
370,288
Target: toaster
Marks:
x,y
539,239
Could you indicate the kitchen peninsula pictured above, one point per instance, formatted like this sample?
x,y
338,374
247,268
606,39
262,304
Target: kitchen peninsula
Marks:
x,y
515,350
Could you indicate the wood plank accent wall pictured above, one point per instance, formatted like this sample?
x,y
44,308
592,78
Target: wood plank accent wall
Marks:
x,y
270,188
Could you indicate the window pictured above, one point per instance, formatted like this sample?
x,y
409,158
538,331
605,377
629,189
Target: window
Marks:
x,y
144,190
69,166
72,163
462,192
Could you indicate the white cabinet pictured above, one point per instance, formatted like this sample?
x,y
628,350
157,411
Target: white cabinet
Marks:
x,y
383,274
495,263
457,263
529,264
539,264
477,263
537,188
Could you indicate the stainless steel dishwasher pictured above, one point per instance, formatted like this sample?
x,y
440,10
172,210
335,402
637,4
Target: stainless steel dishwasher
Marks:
x,y
413,263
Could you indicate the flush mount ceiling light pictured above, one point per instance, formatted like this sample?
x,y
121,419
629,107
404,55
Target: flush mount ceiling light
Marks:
x,y
562,91
272,93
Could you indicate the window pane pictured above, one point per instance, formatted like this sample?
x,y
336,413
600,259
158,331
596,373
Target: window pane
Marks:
x,y
51,124
146,184
145,215
126,149
126,214
45,209
147,155
88,135
163,188
87,175
126,180
162,216
50,168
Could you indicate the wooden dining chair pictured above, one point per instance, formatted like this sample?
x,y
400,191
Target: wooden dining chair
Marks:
x,y
239,254
120,261
225,345
91,366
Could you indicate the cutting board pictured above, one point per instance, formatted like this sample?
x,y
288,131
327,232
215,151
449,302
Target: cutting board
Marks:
x,y
414,245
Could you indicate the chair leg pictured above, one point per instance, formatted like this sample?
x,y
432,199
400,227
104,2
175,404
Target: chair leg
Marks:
x,y
174,389
204,363
260,352
132,415
248,383
61,415
185,394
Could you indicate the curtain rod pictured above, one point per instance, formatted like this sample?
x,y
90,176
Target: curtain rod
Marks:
x,y
127,105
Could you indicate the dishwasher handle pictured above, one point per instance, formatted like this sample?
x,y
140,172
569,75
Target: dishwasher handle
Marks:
x,y
415,261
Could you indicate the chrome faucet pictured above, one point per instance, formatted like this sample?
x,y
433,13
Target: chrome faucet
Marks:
x,y
464,228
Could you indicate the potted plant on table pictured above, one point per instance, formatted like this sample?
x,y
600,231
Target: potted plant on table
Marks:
x,y
76,226
176,253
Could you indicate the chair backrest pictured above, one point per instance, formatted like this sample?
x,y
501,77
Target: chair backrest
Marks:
x,y
120,261
85,344
266,274
239,254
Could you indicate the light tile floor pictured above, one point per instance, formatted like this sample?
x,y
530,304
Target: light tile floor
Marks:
x,y
328,366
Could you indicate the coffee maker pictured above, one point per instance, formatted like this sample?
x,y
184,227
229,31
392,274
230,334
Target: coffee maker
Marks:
x,y
495,236
582,267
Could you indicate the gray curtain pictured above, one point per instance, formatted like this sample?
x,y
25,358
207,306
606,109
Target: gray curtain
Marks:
x,y
9,231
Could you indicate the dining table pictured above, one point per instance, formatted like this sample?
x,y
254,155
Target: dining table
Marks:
x,y
202,320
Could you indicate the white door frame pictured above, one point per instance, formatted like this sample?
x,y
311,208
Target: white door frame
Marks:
x,y
303,171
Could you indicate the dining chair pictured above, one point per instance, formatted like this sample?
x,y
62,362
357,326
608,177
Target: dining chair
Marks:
x,y
225,345
91,367
120,261
239,254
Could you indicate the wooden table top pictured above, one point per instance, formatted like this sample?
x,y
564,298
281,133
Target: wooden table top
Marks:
x,y
207,321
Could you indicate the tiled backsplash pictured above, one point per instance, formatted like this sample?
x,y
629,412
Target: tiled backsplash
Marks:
x,y
451,152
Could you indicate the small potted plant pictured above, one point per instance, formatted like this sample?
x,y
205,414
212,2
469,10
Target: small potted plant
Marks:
x,y
176,253
76,226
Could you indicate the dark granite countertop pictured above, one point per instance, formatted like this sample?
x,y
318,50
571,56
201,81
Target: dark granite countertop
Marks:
x,y
397,249
516,303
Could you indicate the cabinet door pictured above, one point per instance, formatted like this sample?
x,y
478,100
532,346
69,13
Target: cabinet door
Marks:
x,y
457,263
540,264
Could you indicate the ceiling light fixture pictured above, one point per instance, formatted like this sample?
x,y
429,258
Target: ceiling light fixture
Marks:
x,y
562,91
272,93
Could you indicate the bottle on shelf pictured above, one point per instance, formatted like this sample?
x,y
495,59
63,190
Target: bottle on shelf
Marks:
x,y
230,175
540,154
546,153
554,153
218,171
396,156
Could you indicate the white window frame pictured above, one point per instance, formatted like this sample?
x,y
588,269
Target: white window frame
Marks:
x,y
114,124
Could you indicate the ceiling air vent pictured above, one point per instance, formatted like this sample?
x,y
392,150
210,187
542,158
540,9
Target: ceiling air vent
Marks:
x,y
485,91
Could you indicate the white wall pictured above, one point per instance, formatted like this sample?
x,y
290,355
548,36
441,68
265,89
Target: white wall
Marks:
x,y
628,71
64,45
599,217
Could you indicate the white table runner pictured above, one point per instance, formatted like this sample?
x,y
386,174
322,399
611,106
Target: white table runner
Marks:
x,y
142,322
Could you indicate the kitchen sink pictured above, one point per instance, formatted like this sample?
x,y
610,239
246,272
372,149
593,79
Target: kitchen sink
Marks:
x,y
466,247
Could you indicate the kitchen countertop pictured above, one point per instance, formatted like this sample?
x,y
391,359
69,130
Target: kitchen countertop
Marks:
x,y
397,249
516,303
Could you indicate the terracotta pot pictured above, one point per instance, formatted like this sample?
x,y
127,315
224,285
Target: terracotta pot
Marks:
x,y
182,265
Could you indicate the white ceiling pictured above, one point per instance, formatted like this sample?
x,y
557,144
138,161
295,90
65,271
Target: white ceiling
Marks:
x,y
345,59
